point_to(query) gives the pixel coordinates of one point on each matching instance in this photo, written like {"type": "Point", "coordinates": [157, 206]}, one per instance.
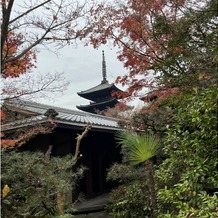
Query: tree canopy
{"type": "Point", "coordinates": [29, 24]}
{"type": "Point", "coordinates": [169, 47]}
{"type": "Point", "coordinates": [163, 44]}
{"type": "Point", "coordinates": [27, 27]}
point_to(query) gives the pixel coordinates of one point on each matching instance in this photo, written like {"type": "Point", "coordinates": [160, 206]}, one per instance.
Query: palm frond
{"type": "Point", "coordinates": [141, 147]}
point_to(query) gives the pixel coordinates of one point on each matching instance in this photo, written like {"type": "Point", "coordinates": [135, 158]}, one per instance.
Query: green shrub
{"type": "Point", "coordinates": [65, 216]}
{"type": "Point", "coordinates": [188, 178]}
{"type": "Point", "coordinates": [129, 200]}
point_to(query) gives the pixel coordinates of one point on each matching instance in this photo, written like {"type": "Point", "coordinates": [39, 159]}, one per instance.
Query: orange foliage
{"type": "Point", "coordinates": [8, 143]}
{"type": "Point", "coordinates": [118, 111]}
{"type": "Point", "coordinates": [14, 68]}
{"type": "Point", "coordinates": [24, 136]}
{"type": "Point", "coordinates": [2, 115]}
{"type": "Point", "coordinates": [148, 38]}
{"type": "Point", "coordinates": [157, 96]}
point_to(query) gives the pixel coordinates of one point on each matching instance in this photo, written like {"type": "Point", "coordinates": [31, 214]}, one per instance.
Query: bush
{"type": "Point", "coordinates": [129, 200]}
{"type": "Point", "coordinates": [188, 178]}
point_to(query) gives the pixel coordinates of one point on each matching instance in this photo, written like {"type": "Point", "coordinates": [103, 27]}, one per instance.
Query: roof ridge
{"type": "Point", "coordinates": [62, 110]}
{"type": "Point", "coordinates": [39, 105]}
{"type": "Point", "coordinates": [104, 85]}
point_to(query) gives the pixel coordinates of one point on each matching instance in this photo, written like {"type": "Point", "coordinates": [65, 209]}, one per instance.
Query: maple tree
{"type": "Point", "coordinates": [20, 137]}
{"type": "Point", "coordinates": [20, 66]}
{"type": "Point", "coordinates": [164, 44]}
{"type": "Point", "coordinates": [32, 23]}
{"type": "Point", "coordinates": [17, 78]}
{"type": "Point", "coordinates": [27, 27]}
{"type": "Point", "coordinates": [168, 47]}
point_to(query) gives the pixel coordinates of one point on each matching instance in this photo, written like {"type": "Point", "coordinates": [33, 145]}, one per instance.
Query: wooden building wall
{"type": "Point", "coordinates": [98, 150]}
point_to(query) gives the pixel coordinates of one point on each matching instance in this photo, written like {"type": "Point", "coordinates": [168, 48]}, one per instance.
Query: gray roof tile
{"type": "Point", "coordinates": [65, 116]}
{"type": "Point", "coordinates": [97, 88]}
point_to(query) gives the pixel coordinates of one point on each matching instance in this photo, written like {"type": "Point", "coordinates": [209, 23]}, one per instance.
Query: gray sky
{"type": "Point", "coordinates": [82, 66]}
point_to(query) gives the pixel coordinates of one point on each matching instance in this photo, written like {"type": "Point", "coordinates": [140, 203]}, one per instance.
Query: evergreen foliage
{"type": "Point", "coordinates": [188, 178]}
{"type": "Point", "coordinates": [130, 200]}
{"type": "Point", "coordinates": [138, 148]}
{"type": "Point", "coordinates": [34, 182]}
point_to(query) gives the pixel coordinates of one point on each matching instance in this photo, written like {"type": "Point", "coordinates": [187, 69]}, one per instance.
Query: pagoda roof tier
{"type": "Point", "coordinates": [95, 106]}
{"type": "Point", "coordinates": [98, 91]}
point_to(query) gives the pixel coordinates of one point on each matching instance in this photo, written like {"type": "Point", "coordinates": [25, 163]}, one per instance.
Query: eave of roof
{"type": "Point", "coordinates": [30, 121]}
{"type": "Point", "coordinates": [97, 104]}
{"type": "Point", "coordinates": [59, 122]}
{"type": "Point", "coordinates": [72, 118]}
{"type": "Point", "coordinates": [97, 90]}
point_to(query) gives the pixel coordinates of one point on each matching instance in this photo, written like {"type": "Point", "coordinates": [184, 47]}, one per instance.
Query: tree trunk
{"type": "Point", "coordinates": [60, 200]}
{"type": "Point", "coordinates": [151, 188]}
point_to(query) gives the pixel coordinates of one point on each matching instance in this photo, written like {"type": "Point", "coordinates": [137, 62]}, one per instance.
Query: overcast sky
{"type": "Point", "coordinates": [82, 66]}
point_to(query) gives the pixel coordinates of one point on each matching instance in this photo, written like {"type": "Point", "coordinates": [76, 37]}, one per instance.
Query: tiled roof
{"type": "Point", "coordinates": [65, 116]}
{"type": "Point", "coordinates": [93, 105]}
{"type": "Point", "coordinates": [97, 88]}
{"type": "Point", "coordinates": [24, 122]}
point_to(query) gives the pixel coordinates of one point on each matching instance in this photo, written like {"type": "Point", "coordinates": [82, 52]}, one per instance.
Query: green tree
{"type": "Point", "coordinates": [31, 183]}
{"type": "Point", "coordinates": [35, 184]}
{"type": "Point", "coordinates": [188, 178]}
{"type": "Point", "coordinates": [141, 148]}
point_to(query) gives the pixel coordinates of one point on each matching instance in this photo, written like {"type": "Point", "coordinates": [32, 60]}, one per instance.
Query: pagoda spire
{"type": "Point", "coordinates": [104, 74]}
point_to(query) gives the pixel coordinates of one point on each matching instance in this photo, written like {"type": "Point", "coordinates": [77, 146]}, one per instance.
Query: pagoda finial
{"type": "Point", "coordinates": [104, 74]}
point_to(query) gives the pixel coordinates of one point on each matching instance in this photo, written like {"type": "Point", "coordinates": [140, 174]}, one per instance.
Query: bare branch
{"type": "Point", "coordinates": [26, 50]}
{"type": "Point", "coordinates": [48, 153]}
{"type": "Point", "coordinates": [78, 142]}
{"type": "Point", "coordinates": [58, 23]}
{"type": "Point", "coordinates": [28, 11]}
{"type": "Point", "coordinates": [37, 86]}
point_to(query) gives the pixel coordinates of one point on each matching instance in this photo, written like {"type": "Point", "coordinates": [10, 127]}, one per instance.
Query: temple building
{"type": "Point", "coordinates": [22, 116]}
{"type": "Point", "coordinates": [101, 95]}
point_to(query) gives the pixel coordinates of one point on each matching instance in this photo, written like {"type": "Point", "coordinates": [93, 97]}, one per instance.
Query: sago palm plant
{"type": "Point", "coordinates": [140, 149]}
